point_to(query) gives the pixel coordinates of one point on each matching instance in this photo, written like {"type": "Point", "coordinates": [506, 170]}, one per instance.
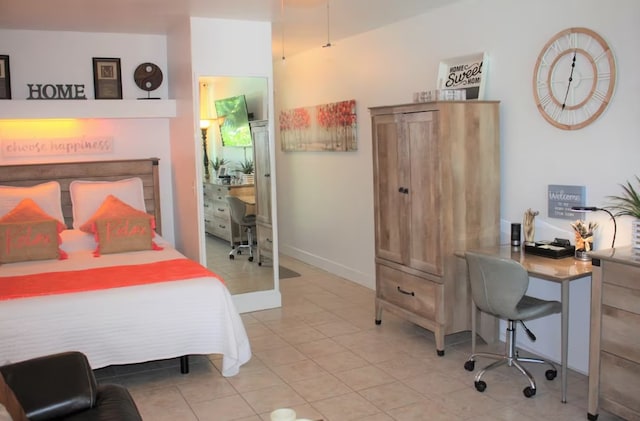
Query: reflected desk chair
{"type": "Point", "coordinates": [498, 287]}
{"type": "Point", "coordinates": [246, 222]}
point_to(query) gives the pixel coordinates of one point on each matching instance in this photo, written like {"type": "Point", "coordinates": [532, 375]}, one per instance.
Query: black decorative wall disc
{"type": "Point", "coordinates": [148, 77]}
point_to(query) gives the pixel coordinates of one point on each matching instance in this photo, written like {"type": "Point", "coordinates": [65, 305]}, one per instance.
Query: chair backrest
{"type": "Point", "coordinates": [238, 210]}
{"type": "Point", "coordinates": [497, 284]}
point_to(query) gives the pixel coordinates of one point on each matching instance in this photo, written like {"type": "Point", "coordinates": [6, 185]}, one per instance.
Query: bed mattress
{"type": "Point", "coordinates": [122, 325]}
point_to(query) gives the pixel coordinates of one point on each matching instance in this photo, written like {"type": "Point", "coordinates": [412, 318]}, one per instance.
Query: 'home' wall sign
{"type": "Point", "coordinates": [57, 91]}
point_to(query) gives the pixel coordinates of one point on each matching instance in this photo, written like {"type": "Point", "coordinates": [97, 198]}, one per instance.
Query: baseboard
{"type": "Point", "coordinates": [330, 266]}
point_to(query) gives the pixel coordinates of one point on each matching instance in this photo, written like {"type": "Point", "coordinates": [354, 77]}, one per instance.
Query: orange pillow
{"type": "Point", "coordinates": [28, 210]}
{"type": "Point", "coordinates": [119, 228]}
{"type": "Point", "coordinates": [118, 235]}
{"type": "Point", "coordinates": [29, 233]}
{"type": "Point", "coordinates": [112, 207]}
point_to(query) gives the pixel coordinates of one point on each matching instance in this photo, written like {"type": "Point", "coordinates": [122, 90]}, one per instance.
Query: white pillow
{"type": "Point", "coordinates": [76, 240]}
{"type": "Point", "coordinates": [46, 195]}
{"type": "Point", "coordinates": [87, 196]}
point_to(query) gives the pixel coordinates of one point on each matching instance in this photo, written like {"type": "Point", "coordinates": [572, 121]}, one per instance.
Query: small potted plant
{"type": "Point", "coordinates": [629, 204]}
{"type": "Point", "coordinates": [246, 168]}
{"type": "Point", "coordinates": [217, 163]}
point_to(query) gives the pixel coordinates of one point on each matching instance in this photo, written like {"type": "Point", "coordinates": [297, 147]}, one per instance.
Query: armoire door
{"type": "Point", "coordinates": [425, 214]}
{"type": "Point", "coordinates": [390, 200]}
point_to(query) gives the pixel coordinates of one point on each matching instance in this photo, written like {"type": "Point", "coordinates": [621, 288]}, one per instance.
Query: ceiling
{"type": "Point", "coordinates": [302, 24]}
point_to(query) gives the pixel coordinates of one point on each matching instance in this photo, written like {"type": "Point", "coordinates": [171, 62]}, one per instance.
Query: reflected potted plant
{"type": "Point", "coordinates": [628, 203]}
{"type": "Point", "coordinates": [217, 163]}
{"type": "Point", "coordinates": [246, 168]}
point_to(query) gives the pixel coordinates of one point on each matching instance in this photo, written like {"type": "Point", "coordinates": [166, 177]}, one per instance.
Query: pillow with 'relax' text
{"type": "Point", "coordinates": [120, 228]}
{"type": "Point", "coordinates": [28, 233]}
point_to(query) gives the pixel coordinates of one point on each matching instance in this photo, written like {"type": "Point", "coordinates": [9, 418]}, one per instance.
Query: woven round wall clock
{"type": "Point", "coordinates": [574, 78]}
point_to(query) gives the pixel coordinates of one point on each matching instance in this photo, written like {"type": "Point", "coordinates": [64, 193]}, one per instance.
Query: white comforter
{"type": "Point", "coordinates": [122, 325]}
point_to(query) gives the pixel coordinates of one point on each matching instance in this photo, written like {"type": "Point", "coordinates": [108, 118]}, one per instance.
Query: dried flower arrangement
{"type": "Point", "coordinates": [584, 234]}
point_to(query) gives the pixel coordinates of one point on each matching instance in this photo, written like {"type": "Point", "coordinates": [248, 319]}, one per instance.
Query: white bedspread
{"type": "Point", "coordinates": [123, 325]}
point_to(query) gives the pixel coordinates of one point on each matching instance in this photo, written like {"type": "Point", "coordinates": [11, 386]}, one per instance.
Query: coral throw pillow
{"type": "Point", "coordinates": [28, 233]}
{"type": "Point", "coordinates": [119, 228]}
{"type": "Point", "coordinates": [118, 235]}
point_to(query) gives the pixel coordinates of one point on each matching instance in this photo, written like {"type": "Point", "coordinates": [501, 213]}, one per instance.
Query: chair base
{"type": "Point", "coordinates": [238, 249]}
{"type": "Point", "coordinates": [511, 358]}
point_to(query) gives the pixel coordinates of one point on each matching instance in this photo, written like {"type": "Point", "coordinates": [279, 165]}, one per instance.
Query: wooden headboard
{"type": "Point", "coordinates": [65, 172]}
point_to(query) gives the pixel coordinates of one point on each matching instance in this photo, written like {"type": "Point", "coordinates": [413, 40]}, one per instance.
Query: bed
{"type": "Point", "coordinates": [131, 320]}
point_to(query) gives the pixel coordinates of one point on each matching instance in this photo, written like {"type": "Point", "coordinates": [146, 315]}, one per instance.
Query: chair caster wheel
{"type": "Point", "coordinates": [231, 256]}
{"type": "Point", "coordinates": [259, 263]}
{"type": "Point", "coordinates": [251, 258]}
{"type": "Point", "coordinates": [551, 374]}
{"type": "Point", "coordinates": [470, 365]}
{"type": "Point", "coordinates": [440, 352]}
{"type": "Point", "coordinates": [239, 251]}
{"type": "Point", "coordinates": [378, 322]}
{"type": "Point", "coordinates": [480, 386]}
{"type": "Point", "coordinates": [529, 392]}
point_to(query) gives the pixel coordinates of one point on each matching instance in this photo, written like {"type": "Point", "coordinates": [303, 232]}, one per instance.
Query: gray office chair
{"type": "Point", "coordinates": [498, 287]}
{"type": "Point", "coordinates": [247, 223]}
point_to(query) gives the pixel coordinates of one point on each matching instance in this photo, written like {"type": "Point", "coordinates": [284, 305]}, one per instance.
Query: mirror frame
{"type": "Point", "coordinates": [258, 300]}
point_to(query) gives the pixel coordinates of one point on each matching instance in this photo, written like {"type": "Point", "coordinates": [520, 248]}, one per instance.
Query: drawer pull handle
{"type": "Point", "coordinates": [269, 240]}
{"type": "Point", "coordinates": [221, 209]}
{"type": "Point", "coordinates": [222, 226]}
{"type": "Point", "coordinates": [406, 292]}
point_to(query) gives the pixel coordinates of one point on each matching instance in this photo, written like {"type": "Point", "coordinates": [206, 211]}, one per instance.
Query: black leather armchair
{"type": "Point", "coordinates": [63, 387]}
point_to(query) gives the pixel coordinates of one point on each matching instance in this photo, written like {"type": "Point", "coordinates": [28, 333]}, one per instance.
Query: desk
{"type": "Point", "coordinates": [562, 271]}
{"type": "Point", "coordinates": [248, 199]}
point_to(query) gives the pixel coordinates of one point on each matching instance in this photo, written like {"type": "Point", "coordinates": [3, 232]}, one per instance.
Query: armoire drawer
{"type": "Point", "coordinates": [412, 293]}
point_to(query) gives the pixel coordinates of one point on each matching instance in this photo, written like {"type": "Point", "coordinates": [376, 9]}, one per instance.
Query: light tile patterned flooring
{"type": "Point", "coordinates": [322, 355]}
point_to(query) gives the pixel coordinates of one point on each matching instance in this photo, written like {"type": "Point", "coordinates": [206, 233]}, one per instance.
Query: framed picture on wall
{"type": "Point", "coordinates": [107, 79]}
{"type": "Point", "coordinates": [466, 72]}
{"type": "Point", "coordinates": [5, 78]}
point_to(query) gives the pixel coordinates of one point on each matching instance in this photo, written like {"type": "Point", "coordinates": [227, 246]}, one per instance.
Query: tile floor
{"type": "Point", "coordinates": [239, 274]}
{"type": "Point", "coordinates": [322, 355]}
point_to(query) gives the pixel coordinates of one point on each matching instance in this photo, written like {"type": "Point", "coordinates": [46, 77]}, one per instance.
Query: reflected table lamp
{"type": "Point", "coordinates": [586, 209]}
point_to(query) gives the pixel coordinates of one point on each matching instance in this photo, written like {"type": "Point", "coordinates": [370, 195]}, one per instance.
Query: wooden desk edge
{"type": "Point", "coordinates": [582, 268]}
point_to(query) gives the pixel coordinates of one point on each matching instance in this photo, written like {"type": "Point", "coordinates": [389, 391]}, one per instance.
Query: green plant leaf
{"type": "Point", "coordinates": [629, 202]}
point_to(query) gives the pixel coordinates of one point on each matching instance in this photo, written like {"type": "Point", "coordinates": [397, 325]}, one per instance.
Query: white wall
{"type": "Point", "coordinates": [238, 49]}
{"type": "Point", "coordinates": [66, 57]}
{"type": "Point", "coordinates": [326, 199]}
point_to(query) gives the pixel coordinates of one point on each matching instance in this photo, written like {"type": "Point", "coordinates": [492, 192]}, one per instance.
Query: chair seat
{"type": "Point", "coordinates": [248, 220]}
{"type": "Point", "coordinates": [531, 308]}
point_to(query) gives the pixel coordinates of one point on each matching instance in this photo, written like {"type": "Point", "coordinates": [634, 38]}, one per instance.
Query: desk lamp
{"type": "Point", "coordinates": [586, 209]}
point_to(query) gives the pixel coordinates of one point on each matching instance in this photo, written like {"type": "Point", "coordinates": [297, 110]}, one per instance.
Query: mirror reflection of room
{"type": "Point", "coordinates": [236, 181]}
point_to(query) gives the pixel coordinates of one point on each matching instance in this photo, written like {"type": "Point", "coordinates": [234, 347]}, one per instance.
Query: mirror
{"type": "Point", "coordinates": [229, 95]}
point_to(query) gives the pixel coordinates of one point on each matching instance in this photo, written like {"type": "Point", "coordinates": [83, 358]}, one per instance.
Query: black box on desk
{"type": "Point", "coordinates": [550, 250]}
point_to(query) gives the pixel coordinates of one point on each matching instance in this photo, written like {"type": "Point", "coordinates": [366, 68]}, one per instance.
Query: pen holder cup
{"type": "Point", "coordinates": [583, 253]}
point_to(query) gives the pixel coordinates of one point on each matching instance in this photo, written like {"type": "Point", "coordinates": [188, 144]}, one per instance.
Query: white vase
{"type": "Point", "coordinates": [247, 178]}
{"type": "Point", "coordinates": [635, 233]}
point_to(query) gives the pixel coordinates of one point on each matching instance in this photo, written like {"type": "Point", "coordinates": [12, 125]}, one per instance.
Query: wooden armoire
{"type": "Point", "coordinates": [436, 180]}
{"type": "Point", "coordinates": [264, 230]}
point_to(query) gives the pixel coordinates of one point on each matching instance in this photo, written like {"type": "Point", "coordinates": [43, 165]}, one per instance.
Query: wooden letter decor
{"type": "Point", "coordinates": [57, 91]}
